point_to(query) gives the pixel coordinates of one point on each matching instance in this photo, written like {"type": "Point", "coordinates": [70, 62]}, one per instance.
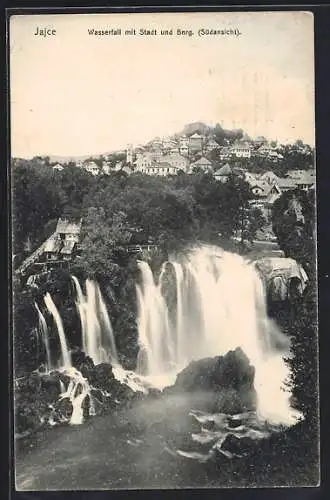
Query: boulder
{"type": "Point", "coordinates": [101, 377]}
{"type": "Point", "coordinates": [84, 364]}
{"type": "Point", "coordinates": [51, 386]}
{"type": "Point", "coordinates": [231, 371]}
{"type": "Point", "coordinates": [63, 410]}
{"type": "Point", "coordinates": [34, 381]}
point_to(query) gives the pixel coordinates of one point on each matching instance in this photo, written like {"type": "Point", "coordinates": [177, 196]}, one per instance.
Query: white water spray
{"type": "Point", "coordinates": [65, 355]}
{"type": "Point", "coordinates": [220, 305]}
{"type": "Point", "coordinates": [76, 392]}
{"type": "Point", "coordinates": [97, 335]}
{"type": "Point", "coordinates": [44, 334]}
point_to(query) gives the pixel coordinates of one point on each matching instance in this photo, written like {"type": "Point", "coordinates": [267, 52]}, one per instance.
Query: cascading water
{"type": "Point", "coordinates": [44, 335]}
{"type": "Point", "coordinates": [65, 355]}
{"type": "Point", "coordinates": [156, 355]}
{"type": "Point", "coordinates": [97, 335]}
{"type": "Point", "coordinates": [220, 305]}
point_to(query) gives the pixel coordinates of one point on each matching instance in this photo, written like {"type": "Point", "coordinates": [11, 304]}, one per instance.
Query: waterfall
{"type": "Point", "coordinates": [155, 333]}
{"type": "Point", "coordinates": [108, 339]}
{"type": "Point", "coordinates": [220, 305]}
{"type": "Point", "coordinates": [81, 307]}
{"type": "Point", "coordinates": [76, 392]}
{"type": "Point", "coordinates": [44, 335]}
{"type": "Point", "coordinates": [97, 335]}
{"type": "Point", "coordinates": [65, 355]}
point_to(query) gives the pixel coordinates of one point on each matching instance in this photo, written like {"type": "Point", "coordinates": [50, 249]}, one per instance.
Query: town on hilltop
{"type": "Point", "coordinates": [268, 167]}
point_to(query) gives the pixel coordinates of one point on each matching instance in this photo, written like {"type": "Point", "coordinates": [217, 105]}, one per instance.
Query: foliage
{"type": "Point", "coordinates": [294, 225]}
{"type": "Point", "coordinates": [293, 220]}
{"type": "Point", "coordinates": [304, 377]}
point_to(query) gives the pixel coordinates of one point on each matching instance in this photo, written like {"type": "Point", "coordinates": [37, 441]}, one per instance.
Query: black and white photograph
{"type": "Point", "coordinates": [164, 271]}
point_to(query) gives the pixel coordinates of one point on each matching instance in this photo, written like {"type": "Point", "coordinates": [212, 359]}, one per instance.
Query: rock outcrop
{"type": "Point", "coordinates": [230, 377]}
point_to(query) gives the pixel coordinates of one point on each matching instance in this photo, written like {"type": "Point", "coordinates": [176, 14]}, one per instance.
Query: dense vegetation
{"type": "Point", "coordinates": [117, 210]}
{"type": "Point", "coordinates": [170, 210]}
{"type": "Point", "coordinates": [294, 224]}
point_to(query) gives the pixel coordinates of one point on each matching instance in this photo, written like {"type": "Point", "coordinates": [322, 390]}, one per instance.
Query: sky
{"type": "Point", "coordinates": [75, 94]}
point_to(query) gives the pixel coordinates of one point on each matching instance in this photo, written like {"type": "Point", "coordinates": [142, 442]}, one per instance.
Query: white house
{"type": "Point", "coordinates": [58, 167]}
{"type": "Point", "coordinates": [184, 145]}
{"type": "Point", "coordinates": [241, 150]}
{"type": "Point", "coordinates": [92, 168]}
{"type": "Point", "coordinates": [177, 161]}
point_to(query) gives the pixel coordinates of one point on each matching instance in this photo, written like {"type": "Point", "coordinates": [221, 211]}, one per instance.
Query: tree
{"type": "Point", "coordinates": [294, 225]}
{"type": "Point", "coordinates": [101, 239]}
{"type": "Point", "coordinates": [293, 221]}
{"type": "Point", "coordinates": [37, 198]}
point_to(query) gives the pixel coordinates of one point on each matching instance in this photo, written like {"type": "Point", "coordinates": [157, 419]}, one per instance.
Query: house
{"type": "Point", "coordinates": [92, 168]}
{"type": "Point", "coordinates": [168, 143]}
{"type": "Point", "coordinates": [184, 150]}
{"type": "Point", "coordinates": [259, 141]}
{"type": "Point", "coordinates": [223, 173]}
{"type": "Point", "coordinates": [304, 179]}
{"type": "Point", "coordinates": [162, 168]}
{"type": "Point", "coordinates": [269, 177]}
{"type": "Point", "coordinates": [156, 153]}
{"type": "Point", "coordinates": [144, 161]}
{"type": "Point", "coordinates": [106, 168]}
{"type": "Point", "coordinates": [241, 150]}
{"type": "Point", "coordinates": [259, 188]}
{"type": "Point", "coordinates": [128, 169]}
{"type": "Point", "coordinates": [195, 143]}
{"type": "Point", "coordinates": [118, 166]}
{"type": "Point", "coordinates": [177, 161]}
{"type": "Point", "coordinates": [225, 153]}
{"type": "Point", "coordinates": [250, 177]}
{"type": "Point", "coordinates": [61, 245]}
{"type": "Point", "coordinates": [52, 248]}
{"type": "Point", "coordinates": [272, 194]}
{"type": "Point", "coordinates": [184, 145]}
{"type": "Point", "coordinates": [264, 196]}
{"type": "Point", "coordinates": [203, 163]}
{"type": "Point", "coordinates": [68, 230]}
{"type": "Point", "coordinates": [286, 184]}
{"type": "Point", "coordinates": [58, 167]}
{"type": "Point", "coordinates": [210, 145]}
{"type": "Point", "coordinates": [295, 174]}
{"type": "Point", "coordinates": [150, 169]}
{"type": "Point", "coordinates": [268, 151]}
{"type": "Point", "coordinates": [265, 149]}
{"type": "Point", "coordinates": [306, 182]}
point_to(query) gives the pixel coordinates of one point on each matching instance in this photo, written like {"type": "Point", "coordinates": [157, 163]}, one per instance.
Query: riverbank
{"type": "Point", "coordinates": [136, 449]}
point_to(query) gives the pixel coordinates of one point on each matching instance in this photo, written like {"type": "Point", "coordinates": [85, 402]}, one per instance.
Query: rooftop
{"type": "Point", "coordinates": [202, 161]}
{"type": "Point", "coordinates": [66, 226]}
{"type": "Point", "coordinates": [225, 170]}
{"type": "Point", "coordinates": [196, 136]}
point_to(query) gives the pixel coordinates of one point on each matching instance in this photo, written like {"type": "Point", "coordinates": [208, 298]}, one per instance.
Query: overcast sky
{"type": "Point", "coordinates": [76, 94]}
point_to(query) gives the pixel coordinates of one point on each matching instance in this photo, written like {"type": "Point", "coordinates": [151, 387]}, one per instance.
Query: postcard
{"type": "Point", "coordinates": [165, 330]}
